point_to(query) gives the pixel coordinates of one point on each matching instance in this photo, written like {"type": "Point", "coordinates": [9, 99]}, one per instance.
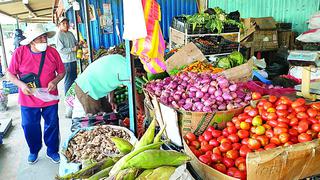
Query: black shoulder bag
{"type": "Point", "coordinates": [32, 79]}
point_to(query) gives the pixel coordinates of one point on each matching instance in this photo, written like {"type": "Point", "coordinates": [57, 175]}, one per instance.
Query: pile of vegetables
{"type": "Point", "coordinates": [232, 60]}
{"type": "Point", "coordinates": [121, 94]}
{"type": "Point", "coordinates": [144, 160]}
{"type": "Point", "coordinates": [213, 21]}
{"type": "Point", "coordinates": [199, 92]}
{"type": "Point", "coordinates": [94, 144]}
{"type": "Point", "coordinates": [201, 66]}
{"type": "Point", "coordinates": [273, 122]}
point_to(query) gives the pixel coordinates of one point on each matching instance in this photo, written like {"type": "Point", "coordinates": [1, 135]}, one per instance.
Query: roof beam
{"type": "Point", "coordinates": [37, 10]}
{"type": "Point", "coordinates": [6, 14]}
{"type": "Point", "coordinates": [30, 10]}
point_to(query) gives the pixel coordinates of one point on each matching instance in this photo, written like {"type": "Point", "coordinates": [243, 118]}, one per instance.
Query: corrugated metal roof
{"type": "Point", "coordinates": [295, 11]}
{"type": "Point", "coordinates": [169, 9]}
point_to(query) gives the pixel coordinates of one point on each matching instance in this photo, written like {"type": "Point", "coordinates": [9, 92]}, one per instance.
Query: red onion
{"type": "Point", "coordinates": [222, 82]}
{"type": "Point", "coordinates": [207, 103]}
{"type": "Point", "coordinates": [184, 95]}
{"type": "Point", "coordinates": [233, 87]}
{"type": "Point", "coordinates": [199, 94]}
{"type": "Point", "coordinates": [188, 100]}
{"type": "Point", "coordinates": [176, 97]}
{"type": "Point", "coordinates": [205, 88]}
{"type": "Point", "coordinates": [219, 98]}
{"type": "Point", "coordinates": [205, 97]}
{"type": "Point", "coordinates": [187, 106]}
{"type": "Point", "coordinates": [206, 109]}
{"type": "Point", "coordinates": [222, 107]}
{"type": "Point", "coordinates": [233, 95]}
{"type": "Point", "coordinates": [181, 102]}
{"type": "Point", "coordinates": [175, 105]}
{"type": "Point", "coordinates": [230, 106]}
{"type": "Point", "coordinates": [211, 90]}
{"type": "Point", "coordinates": [218, 93]}
{"type": "Point", "coordinates": [192, 94]}
{"type": "Point", "coordinates": [213, 83]}
{"type": "Point", "coordinates": [193, 89]}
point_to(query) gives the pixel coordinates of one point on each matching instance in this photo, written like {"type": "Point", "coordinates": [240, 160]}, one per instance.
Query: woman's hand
{"type": "Point", "coordinates": [26, 90]}
{"type": "Point", "coordinates": [52, 85]}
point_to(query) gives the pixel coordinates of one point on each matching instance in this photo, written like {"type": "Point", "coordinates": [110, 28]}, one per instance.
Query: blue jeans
{"type": "Point", "coordinates": [71, 75]}
{"type": "Point", "coordinates": [32, 129]}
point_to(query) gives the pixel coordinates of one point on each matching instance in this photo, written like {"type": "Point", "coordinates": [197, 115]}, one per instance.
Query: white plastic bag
{"type": "Point", "coordinates": [44, 95]}
{"type": "Point", "coordinates": [314, 22]}
{"type": "Point", "coordinates": [310, 36]}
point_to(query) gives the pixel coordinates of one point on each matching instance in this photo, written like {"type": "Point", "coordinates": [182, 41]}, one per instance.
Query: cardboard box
{"type": "Point", "coordinates": [285, 39]}
{"type": "Point", "coordinates": [292, 162]}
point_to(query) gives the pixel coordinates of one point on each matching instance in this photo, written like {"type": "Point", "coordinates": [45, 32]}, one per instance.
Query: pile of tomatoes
{"type": "Point", "coordinates": [273, 122]}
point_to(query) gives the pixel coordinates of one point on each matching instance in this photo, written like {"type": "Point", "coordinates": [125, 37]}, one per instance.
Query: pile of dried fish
{"type": "Point", "coordinates": [94, 144]}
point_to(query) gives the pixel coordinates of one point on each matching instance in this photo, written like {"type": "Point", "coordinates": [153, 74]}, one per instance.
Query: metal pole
{"type": "Point", "coordinates": [79, 64]}
{"type": "Point", "coordinates": [4, 62]}
{"type": "Point", "coordinates": [131, 89]}
{"type": "Point", "coordinates": [87, 24]}
{"type": "Point", "coordinates": [17, 22]}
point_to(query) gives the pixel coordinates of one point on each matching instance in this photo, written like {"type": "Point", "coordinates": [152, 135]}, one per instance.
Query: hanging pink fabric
{"type": "Point", "coordinates": [151, 48]}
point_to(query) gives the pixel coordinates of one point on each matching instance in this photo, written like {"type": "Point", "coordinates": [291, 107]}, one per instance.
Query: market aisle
{"type": "Point", "coordinates": [14, 151]}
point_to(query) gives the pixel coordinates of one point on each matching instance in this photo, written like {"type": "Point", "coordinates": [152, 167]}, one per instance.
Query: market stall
{"type": "Point", "coordinates": [222, 112]}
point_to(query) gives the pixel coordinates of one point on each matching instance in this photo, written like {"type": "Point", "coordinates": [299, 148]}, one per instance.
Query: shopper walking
{"type": "Point", "coordinates": [97, 81]}
{"type": "Point", "coordinates": [26, 62]}
{"type": "Point", "coordinates": [67, 47]}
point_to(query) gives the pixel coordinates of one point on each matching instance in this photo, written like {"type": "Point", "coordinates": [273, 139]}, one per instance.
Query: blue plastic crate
{"type": "Point", "coordinates": [9, 85]}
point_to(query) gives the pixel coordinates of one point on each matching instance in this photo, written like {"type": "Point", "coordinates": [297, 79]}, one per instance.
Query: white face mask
{"type": "Point", "coordinates": [41, 46]}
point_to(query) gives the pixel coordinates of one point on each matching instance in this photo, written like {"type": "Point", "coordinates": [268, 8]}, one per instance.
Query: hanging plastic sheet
{"type": "Point", "coordinates": [151, 48]}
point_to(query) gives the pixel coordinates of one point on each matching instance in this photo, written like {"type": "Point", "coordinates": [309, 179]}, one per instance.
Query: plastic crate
{"type": "Point", "coordinates": [9, 85]}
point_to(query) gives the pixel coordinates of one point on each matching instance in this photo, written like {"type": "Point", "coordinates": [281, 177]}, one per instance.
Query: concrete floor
{"type": "Point", "coordinates": [14, 150]}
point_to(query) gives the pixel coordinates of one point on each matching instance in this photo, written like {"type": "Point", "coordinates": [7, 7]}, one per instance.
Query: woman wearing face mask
{"type": "Point", "coordinates": [25, 60]}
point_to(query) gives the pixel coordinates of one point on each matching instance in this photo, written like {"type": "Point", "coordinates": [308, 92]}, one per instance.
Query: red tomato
{"type": "Point", "coordinates": [284, 120]}
{"type": "Point", "coordinates": [207, 135]}
{"type": "Point", "coordinates": [243, 116]}
{"type": "Point", "coordinates": [315, 106]}
{"type": "Point", "coordinates": [201, 138]}
{"type": "Point", "coordinates": [206, 148]}
{"type": "Point", "coordinates": [245, 141]}
{"type": "Point", "coordinates": [254, 144]}
{"type": "Point", "coordinates": [243, 134]}
{"type": "Point", "coordinates": [205, 159]}
{"type": "Point", "coordinates": [197, 153]}
{"type": "Point", "coordinates": [247, 109]}
{"type": "Point", "coordinates": [196, 144]}
{"type": "Point", "coordinates": [228, 162]}
{"type": "Point", "coordinates": [249, 120]}
{"type": "Point", "coordinates": [263, 139]}
{"type": "Point", "coordinates": [225, 140]}
{"type": "Point", "coordinates": [230, 124]}
{"type": "Point", "coordinates": [216, 158]}
{"type": "Point", "coordinates": [220, 167]}
{"type": "Point", "coordinates": [272, 123]}
{"type": "Point", "coordinates": [298, 102]}
{"type": "Point", "coordinates": [303, 126]}
{"type": "Point", "coordinates": [264, 114]}
{"type": "Point", "coordinates": [239, 175]}
{"type": "Point", "coordinates": [216, 133]}
{"type": "Point", "coordinates": [239, 160]}
{"type": "Point", "coordinates": [244, 150]}
{"type": "Point", "coordinates": [237, 124]}
{"type": "Point", "coordinates": [232, 154]}
{"type": "Point", "coordinates": [242, 166]}
{"type": "Point", "coordinates": [269, 133]}
{"type": "Point", "coordinates": [261, 103]}
{"type": "Point", "coordinates": [253, 129]}
{"type": "Point", "coordinates": [283, 125]}
{"type": "Point", "coordinates": [278, 130]}
{"type": "Point", "coordinates": [302, 115]}
{"type": "Point", "coordinates": [234, 138]}
{"type": "Point", "coordinates": [203, 143]}
{"type": "Point", "coordinates": [294, 139]}
{"type": "Point", "coordinates": [220, 138]}
{"type": "Point", "coordinates": [313, 120]}
{"type": "Point", "coordinates": [293, 132]}
{"type": "Point", "coordinates": [245, 126]}
{"type": "Point", "coordinates": [312, 133]}
{"type": "Point", "coordinates": [272, 98]}
{"type": "Point", "coordinates": [267, 126]}
{"type": "Point", "coordinates": [294, 122]}
{"type": "Point", "coordinates": [235, 119]}
{"type": "Point", "coordinates": [211, 128]}
{"type": "Point", "coordinates": [231, 171]}
{"type": "Point", "coordinates": [292, 115]}
{"type": "Point", "coordinates": [316, 127]}
{"type": "Point", "coordinates": [284, 100]}
{"type": "Point", "coordinates": [284, 137]}
{"type": "Point", "coordinates": [214, 143]}
{"type": "Point", "coordinates": [312, 112]}
{"type": "Point", "coordinates": [190, 136]}
{"type": "Point", "coordinates": [282, 113]}
{"type": "Point", "coordinates": [224, 147]}
{"type": "Point", "coordinates": [236, 146]}
{"type": "Point", "coordinates": [208, 153]}
{"type": "Point", "coordinates": [216, 150]}
{"type": "Point", "coordinates": [267, 105]}
{"type": "Point", "coordinates": [272, 116]}
{"type": "Point", "coordinates": [225, 132]}
{"type": "Point", "coordinates": [300, 109]}
{"type": "Point", "coordinates": [253, 112]}
{"type": "Point", "coordinates": [270, 146]}
{"type": "Point", "coordinates": [275, 140]}
{"type": "Point", "coordinates": [269, 110]}
{"type": "Point", "coordinates": [289, 143]}
{"type": "Point", "coordinates": [231, 129]}
{"type": "Point", "coordinates": [304, 137]}
{"type": "Point", "coordinates": [281, 107]}
{"type": "Point", "coordinates": [256, 96]}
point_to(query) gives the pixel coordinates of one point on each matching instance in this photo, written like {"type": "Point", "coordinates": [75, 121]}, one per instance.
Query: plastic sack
{"type": "Point", "coordinates": [151, 48]}
{"type": "Point", "coordinates": [314, 21]}
{"type": "Point", "coordinates": [44, 95]}
{"type": "Point", "coordinates": [256, 86]}
{"type": "Point", "coordinates": [3, 100]}
{"type": "Point", "coordinates": [312, 35]}
{"type": "Point", "coordinates": [181, 173]}
{"type": "Point", "coordinates": [67, 168]}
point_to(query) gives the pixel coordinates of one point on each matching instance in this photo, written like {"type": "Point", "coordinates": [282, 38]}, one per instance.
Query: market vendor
{"type": "Point", "coordinates": [99, 80]}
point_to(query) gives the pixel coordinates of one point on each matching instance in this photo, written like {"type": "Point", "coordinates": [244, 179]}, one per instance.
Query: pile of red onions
{"type": "Point", "coordinates": [199, 92]}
